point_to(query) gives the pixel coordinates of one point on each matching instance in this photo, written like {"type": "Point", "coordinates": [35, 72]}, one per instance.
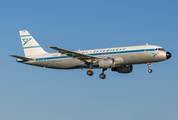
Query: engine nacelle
{"type": "Point", "coordinates": [105, 63]}
{"type": "Point", "coordinates": [123, 69]}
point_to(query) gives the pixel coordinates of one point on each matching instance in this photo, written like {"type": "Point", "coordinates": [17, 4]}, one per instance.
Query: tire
{"type": "Point", "coordinates": [102, 76]}
{"type": "Point", "coordinates": [90, 72]}
{"type": "Point", "coordinates": [150, 71]}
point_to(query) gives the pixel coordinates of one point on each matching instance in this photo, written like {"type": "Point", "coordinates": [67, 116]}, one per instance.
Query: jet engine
{"type": "Point", "coordinates": [105, 63]}
{"type": "Point", "coordinates": [123, 69]}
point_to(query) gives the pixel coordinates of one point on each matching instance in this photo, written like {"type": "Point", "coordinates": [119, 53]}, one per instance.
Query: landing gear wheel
{"type": "Point", "coordinates": [149, 66]}
{"type": "Point", "coordinates": [102, 76]}
{"type": "Point", "coordinates": [90, 72]}
{"type": "Point", "coordinates": [150, 70]}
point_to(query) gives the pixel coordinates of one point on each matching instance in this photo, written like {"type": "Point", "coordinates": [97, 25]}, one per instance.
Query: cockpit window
{"type": "Point", "coordinates": [160, 49]}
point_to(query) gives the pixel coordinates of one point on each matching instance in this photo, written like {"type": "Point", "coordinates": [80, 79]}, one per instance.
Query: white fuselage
{"type": "Point", "coordinates": [129, 55]}
{"type": "Point", "coordinates": [119, 59]}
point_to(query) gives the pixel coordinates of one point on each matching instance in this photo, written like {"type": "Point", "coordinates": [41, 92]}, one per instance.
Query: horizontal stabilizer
{"type": "Point", "coordinates": [23, 58]}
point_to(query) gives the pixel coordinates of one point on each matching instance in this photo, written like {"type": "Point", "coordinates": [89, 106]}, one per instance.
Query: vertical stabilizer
{"type": "Point", "coordinates": [30, 46]}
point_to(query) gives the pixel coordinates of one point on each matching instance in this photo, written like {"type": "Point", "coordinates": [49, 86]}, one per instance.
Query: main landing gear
{"type": "Point", "coordinates": [90, 72]}
{"type": "Point", "coordinates": [102, 75]}
{"type": "Point", "coordinates": [149, 65]}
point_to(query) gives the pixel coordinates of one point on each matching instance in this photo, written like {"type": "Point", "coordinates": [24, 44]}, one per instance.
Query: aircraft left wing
{"type": "Point", "coordinates": [23, 58]}
{"type": "Point", "coordinates": [73, 54]}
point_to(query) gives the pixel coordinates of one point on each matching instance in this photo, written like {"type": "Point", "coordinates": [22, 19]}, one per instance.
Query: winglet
{"type": "Point", "coordinates": [48, 46]}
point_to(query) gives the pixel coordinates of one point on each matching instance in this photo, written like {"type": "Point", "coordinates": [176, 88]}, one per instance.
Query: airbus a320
{"type": "Point", "coordinates": [118, 59]}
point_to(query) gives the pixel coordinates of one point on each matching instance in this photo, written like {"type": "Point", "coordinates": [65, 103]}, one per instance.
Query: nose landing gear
{"type": "Point", "coordinates": [150, 70]}
{"type": "Point", "coordinates": [149, 65]}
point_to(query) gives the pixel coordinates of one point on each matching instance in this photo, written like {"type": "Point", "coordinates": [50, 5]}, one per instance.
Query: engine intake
{"type": "Point", "coordinates": [123, 69]}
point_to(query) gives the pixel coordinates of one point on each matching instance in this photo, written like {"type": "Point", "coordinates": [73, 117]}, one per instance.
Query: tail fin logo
{"type": "Point", "coordinates": [26, 40]}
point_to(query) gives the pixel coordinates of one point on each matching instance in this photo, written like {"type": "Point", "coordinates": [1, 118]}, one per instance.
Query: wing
{"type": "Point", "coordinates": [74, 54]}
{"type": "Point", "coordinates": [23, 58]}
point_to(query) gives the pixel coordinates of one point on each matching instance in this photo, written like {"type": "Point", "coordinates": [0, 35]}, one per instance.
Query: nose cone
{"type": "Point", "coordinates": [168, 55]}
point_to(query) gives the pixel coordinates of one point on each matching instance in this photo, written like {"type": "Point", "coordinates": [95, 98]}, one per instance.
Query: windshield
{"type": "Point", "coordinates": [160, 49]}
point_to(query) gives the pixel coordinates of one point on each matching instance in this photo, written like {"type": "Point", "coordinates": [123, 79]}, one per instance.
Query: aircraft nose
{"type": "Point", "coordinates": [168, 55]}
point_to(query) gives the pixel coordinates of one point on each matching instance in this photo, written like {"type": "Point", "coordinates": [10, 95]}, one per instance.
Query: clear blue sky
{"type": "Point", "coordinates": [34, 93]}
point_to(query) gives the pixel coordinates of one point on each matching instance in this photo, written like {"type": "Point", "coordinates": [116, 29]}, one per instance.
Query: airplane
{"type": "Point", "coordinates": [118, 59]}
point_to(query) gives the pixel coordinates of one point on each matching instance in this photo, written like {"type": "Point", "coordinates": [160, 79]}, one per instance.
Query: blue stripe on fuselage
{"type": "Point", "coordinates": [97, 54]}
